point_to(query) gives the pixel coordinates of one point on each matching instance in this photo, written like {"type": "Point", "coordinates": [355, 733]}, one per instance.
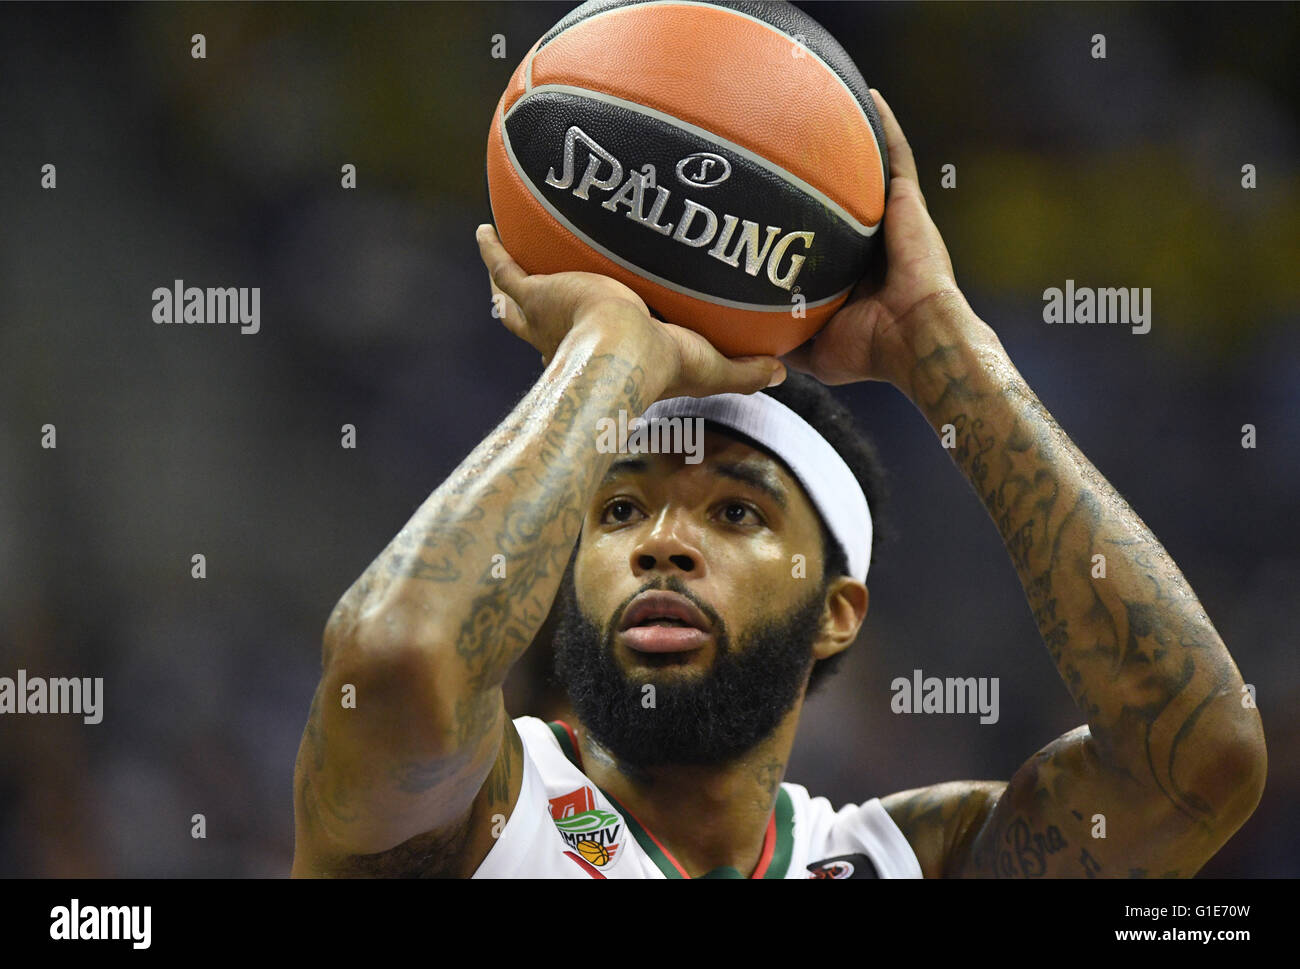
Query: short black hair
{"type": "Point", "coordinates": [812, 401]}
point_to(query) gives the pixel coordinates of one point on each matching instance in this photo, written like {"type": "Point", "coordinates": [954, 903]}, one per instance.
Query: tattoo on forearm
{"type": "Point", "coordinates": [1136, 651]}
{"type": "Point", "coordinates": [434, 556]}
{"type": "Point", "coordinates": [520, 494]}
{"type": "Point", "coordinates": [539, 527]}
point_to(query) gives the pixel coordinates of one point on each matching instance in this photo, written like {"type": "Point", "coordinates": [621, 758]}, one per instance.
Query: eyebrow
{"type": "Point", "coordinates": [758, 478]}
{"type": "Point", "coordinates": [625, 466]}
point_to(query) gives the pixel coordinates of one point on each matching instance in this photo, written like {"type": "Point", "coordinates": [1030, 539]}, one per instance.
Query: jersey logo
{"type": "Point", "coordinates": [843, 866]}
{"type": "Point", "coordinates": [592, 832]}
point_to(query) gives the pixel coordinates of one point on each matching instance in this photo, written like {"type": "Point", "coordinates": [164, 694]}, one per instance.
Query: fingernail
{"type": "Point", "coordinates": [778, 376]}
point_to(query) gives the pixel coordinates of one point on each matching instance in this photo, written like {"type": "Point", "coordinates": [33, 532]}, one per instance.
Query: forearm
{"type": "Point", "coordinates": [472, 575]}
{"type": "Point", "coordinates": [1161, 694]}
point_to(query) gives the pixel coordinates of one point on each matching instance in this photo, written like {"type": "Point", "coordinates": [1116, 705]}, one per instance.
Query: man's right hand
{"type": "Point", "coordinates": [544, 309]}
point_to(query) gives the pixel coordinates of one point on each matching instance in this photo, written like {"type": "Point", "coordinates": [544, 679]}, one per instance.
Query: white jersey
{"type": "Point", "coordinates": [564, 826]}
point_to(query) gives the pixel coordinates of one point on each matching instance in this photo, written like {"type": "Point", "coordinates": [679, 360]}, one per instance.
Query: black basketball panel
{"type": "Point", "coordinates": [676, 203]}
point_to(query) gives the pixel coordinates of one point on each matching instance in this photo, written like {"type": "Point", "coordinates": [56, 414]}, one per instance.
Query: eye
{"type": "Point", "coordinates": [740, 513]}
{"type": "Point", "coordinates": [620, 511]}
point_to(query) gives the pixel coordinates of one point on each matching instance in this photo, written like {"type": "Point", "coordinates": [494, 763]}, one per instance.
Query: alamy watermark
{"type": "Point", "coordinates": [99, 923]}
{"type": "Point", "coordinates": [654, 435]}
{"type": "Point", "coordinates": [59, 694]}
{"type": "Point", "coordinates": [216, 304]}
{"type": "Point", "coordinates": [1084, 304]}
{"type": "Point", "coordinates": [953, 694]}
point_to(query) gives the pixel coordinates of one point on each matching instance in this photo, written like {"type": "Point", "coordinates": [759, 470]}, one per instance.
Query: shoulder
{"type": "Point", "coordinates": [940, 822]}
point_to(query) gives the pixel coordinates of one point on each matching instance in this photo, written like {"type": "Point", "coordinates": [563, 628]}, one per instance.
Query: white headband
{"type": "Point", "coordinates": [830, 484]}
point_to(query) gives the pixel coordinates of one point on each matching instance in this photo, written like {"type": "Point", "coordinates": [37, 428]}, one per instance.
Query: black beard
{"type": "Point", "coordinates": [710, 720]}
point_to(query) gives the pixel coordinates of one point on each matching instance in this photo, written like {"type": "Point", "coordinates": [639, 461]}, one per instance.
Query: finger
{"type": "Point", "coordinates": [747, 375]}
{"type": "Point", "coordinates": [901, 162]}
{"type": "Point", "coordinates": [504, 271]}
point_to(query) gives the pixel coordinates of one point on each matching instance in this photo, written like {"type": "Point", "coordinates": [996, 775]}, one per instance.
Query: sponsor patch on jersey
{"type": "Point", "coordinates": [593, 833]}
{"type": "Point", "coordinates": [843, 866]}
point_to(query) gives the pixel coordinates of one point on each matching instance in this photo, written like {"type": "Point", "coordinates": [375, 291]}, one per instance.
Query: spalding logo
{"type": "Point", "coordinates": [703, 169]}
{"type": "Point", "coordinates": [768, 254]}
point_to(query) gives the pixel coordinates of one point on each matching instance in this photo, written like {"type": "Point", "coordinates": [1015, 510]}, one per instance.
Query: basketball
{"type": "Point", "coordinates": [725, 161]}
{"type": "Point", "coordinates": [593, 852]}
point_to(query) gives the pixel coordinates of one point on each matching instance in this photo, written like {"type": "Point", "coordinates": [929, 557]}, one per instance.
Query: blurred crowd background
{"type": "Point", "coordinates": [375, 311]}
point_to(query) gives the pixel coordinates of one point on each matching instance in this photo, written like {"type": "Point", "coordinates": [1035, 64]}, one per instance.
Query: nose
{"type": "Point", "coordinates": [670, 546]}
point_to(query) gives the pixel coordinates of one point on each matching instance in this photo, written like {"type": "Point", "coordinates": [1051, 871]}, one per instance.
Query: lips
{"type": "Point", "coordinates": [664, 622]}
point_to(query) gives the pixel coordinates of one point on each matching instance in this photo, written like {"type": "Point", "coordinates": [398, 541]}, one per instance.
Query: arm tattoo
{"type": "Point", "coordinates": [1135, 649]}
{"type": "Point", "coordinates": [516, 504]}
{"type": "Point", "coordinates": [539, 526]}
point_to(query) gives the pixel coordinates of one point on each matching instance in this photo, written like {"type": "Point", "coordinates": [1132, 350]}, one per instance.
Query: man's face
{"type": "Point", "coordinates": [685, 582]}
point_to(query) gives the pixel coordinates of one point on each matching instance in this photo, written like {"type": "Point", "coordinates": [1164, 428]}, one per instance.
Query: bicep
{"type": "Point", "coordinates": [1067, 813]}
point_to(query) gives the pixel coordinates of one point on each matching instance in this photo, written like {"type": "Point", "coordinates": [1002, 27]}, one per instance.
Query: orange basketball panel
{"type": "Point", "coordinates": [744, 83]}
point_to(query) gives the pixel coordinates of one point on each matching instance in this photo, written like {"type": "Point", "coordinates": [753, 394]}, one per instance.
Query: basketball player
{"type": "Point", "coordinates": [687, 643]}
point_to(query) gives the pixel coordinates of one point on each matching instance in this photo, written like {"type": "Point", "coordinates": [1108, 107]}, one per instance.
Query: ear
{"type": "Point", "coordinates": [846, 608]}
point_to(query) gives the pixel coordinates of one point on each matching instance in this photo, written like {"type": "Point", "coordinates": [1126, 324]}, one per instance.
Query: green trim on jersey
{"type": "Point", "coordinates": [777, 866]}
{"type": "Point", "coordinates": [566, 744]}
{"type": "Point", "coordinates": [646, 840]}
{"type": "Point", "coordinates": [784, 850]}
